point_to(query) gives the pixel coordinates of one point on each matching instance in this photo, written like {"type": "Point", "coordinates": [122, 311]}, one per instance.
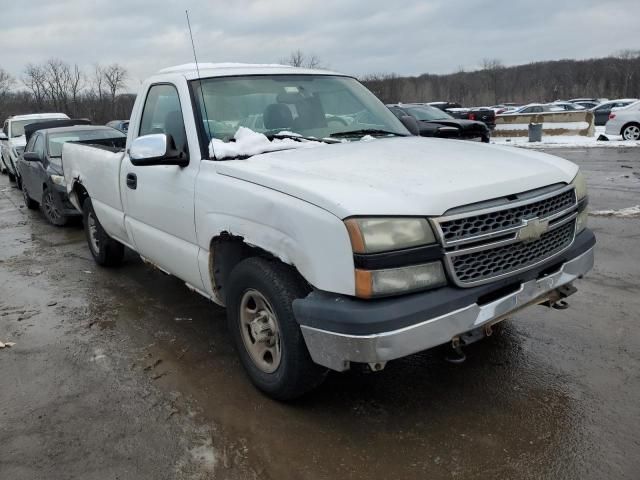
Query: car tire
{"type": "Point", "coordinates": [486, 139]}
{"type": "Point", "coordinates": [12, 177]}
{"type": "Point", "coordinates": [28, 201]}
{"type": "Point", "coordinates": [631, 131]}
{"type": "Point", "coordinates": [51, 209]}
{"type": "Point", "coordinates": [106, 251]}
{"type": "Point", "coordinates": [266, 334]}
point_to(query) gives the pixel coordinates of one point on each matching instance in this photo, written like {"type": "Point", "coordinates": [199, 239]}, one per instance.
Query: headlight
{"type": "Point", "coordinates": [580, 185]}
{"type": "Point", "coordinates": [58, 180]}
{"type": "Point", "coordinates": [581, 220]}
{"type": "Point", "coordinates": [375, 283]}
{"type": "Point", "coordinates": [374, 235]}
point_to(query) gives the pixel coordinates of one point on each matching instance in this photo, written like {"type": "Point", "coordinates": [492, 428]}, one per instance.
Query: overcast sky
{"type": "Point", "coordinates": [408, 37]}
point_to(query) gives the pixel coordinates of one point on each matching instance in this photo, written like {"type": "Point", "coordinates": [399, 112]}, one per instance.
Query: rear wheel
{"type": "Point", "coordinates": [28, 201]}
{"type": "Point", "coordinates": [265, 332]}
{"type": "Point", "coordinates": [105, 250]}
{"type": "Point", "coordinates": [52, 209]}
{"type": "Point", "coordinates": [631, 131]}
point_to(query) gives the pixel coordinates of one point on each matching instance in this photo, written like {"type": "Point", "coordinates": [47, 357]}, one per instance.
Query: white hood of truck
{"type": "Point", "coordinates": [400, 176]}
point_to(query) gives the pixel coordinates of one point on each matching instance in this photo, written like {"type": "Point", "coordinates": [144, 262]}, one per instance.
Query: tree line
{"type": "Point", "coordinates": [611, 77]}
{"type": "Point", "coordinates": [57, 86]}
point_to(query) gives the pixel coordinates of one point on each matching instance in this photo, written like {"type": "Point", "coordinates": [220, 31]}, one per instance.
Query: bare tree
{"type": "Point", "coordinates": [298, 59]}
{"type": "Point", "coordinates": [34, 79]}
{"type": "Point", "coordinates": [6, 82]}
{"type": "Point", "coordinates": [115, 77]}
{"type": "Point", "coordinates": [493, 67]}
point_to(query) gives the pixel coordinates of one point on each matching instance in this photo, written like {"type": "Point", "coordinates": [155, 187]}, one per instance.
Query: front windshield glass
{"type": "Point", "coordinates": [17, 127]}
{"type": "Point", "coordinates": [426, 113]}
{"type": "Point", "coordinates": [56, 140]}
{"type": "Point", "coordinates": [318, 106]}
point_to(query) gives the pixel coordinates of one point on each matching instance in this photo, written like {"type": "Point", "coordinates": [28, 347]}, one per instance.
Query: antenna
{"type": "Point", "coordinates": [204, 104]}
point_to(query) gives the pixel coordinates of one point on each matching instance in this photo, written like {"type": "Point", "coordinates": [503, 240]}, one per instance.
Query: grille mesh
{"type": "Point", "coordinates": [511, 217]}
{"type": "Point", "coordinates": [478, 266]}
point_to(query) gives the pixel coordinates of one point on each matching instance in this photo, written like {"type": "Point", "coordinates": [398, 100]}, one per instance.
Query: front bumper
{"type": "Point", "coordinates": [62, 199]}
{"type": "Point", "coordinates": [346, 342]}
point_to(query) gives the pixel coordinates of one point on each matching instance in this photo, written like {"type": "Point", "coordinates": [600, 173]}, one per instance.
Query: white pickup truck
{"type": "Point", "coordinates": [333, 236]}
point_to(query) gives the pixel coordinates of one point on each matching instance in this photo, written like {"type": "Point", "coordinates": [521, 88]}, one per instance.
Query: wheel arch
{"type": "Point", "coordinates": [628, 124]}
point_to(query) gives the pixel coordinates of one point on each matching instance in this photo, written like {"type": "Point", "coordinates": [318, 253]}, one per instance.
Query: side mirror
{"type": "Point", "coordinates": [32, 157]}
{"type": "Point", "coordinates": [3, 136]}
{"type": "Point", "coordinates": [156, 149]}
{"type": "Point", "coordinates": [411, 124]}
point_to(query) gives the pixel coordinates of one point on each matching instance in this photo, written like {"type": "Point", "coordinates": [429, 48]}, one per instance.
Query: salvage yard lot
{"type": "Point", "coordinates": [127, 374]}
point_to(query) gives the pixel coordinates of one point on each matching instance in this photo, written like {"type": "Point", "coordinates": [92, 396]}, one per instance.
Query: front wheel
{"type": "Point", "coordinates": [52, 209]}
{"type": "Point", "coordinates": [265, 332]}
{"type": "Point", "coordinates": [631, 132]}
{"type": "Point", "coordinates": [105, 250]}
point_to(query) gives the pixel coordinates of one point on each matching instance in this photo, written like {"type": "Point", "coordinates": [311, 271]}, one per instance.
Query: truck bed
{"type": "Point", "coordinates": [95, 164]}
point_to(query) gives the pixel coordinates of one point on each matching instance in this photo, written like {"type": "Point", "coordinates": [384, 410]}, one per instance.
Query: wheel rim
{"type": "Point", "coordinates": [260, 331]}
{"type": "Point", "coordinates": [50, 208]}
{"type": "Point", "coordinates": [632, 133]}
{"type": "Point", "coordinates": [92, 225]}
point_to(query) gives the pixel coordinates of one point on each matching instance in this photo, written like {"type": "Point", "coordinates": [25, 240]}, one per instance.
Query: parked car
{"type": "Point", "coordinates": [433, 122]}
{"type": "Point", "coordinates": [122, 125]}
{"type": "Point", "coordinates": [41, 168]}
{"type": "Point", "coordinates": [625, 121]}
{"type": "Point", "coordinates": [602, 111]}
{"type": "Point", "coordinates": [535, 108]}
{"type": "Point", "coordinates": [597, 101]}
{"type": "Point", "coordinates": [485, 115]}
{"type": "Point", "coordinates": [329, 244]}
{"type": "Point", "coordinates": [13, 139]}
{"type": "Point", "coordinates": [587, 104]}
{"type": "Point", "coordinates": [505, 108]}
{"type": "Point", "coordinates": [567, 106]}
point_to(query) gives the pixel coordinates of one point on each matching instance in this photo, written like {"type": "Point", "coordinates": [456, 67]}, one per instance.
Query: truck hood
{"type": "Point", "coordinates": [400, 176]}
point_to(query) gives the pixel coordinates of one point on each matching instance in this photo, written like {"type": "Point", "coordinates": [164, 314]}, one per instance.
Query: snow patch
{"type": "Point", "coordinates": [248, 143]}
{"type": "Point", "coordinates": [568, 141]}
{"type": "Point", "coordinates": [629, 212]}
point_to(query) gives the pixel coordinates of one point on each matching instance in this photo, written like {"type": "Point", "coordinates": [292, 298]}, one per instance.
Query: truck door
{"type": "Point", "coordinates": [159, 199]}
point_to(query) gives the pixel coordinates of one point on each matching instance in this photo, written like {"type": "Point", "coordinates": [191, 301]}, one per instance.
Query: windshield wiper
{"type": "Point", "coordinates": [299, 138]}
{"type": "Point", "coordinates": [366, 131]}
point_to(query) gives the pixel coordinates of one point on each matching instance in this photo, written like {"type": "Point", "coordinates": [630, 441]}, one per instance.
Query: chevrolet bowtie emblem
{"type": "Point", "coordinates": [533, 230]}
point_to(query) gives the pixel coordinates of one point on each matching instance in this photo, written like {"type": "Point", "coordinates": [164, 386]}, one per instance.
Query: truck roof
{"type": "Point", "coordinates": [207, 70]}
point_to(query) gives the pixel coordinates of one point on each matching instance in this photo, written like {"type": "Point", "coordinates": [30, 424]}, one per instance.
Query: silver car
{"type": "Point", "coordinates": [625, 121]}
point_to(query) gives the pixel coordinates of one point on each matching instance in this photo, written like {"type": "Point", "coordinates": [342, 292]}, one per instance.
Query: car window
{"type": "Point", "coordinates": [163, 114]}
{"type": "Point", "coordinates": [29, 147]}
{"type": "Point", "coordinates": [38, 146]}
{"type": "Point", "coordinates": [56, 140]}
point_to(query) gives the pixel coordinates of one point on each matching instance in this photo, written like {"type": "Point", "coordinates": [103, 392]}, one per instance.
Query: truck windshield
{"type": "Point", "coordinates": [17, 127]}
{"type": "Point", "coordinates": [427, 113]}
{"type": "Point", "coordinates": [319, 106]}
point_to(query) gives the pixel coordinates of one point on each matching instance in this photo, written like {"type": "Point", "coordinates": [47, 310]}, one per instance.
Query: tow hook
{"type": "Point", "coordinates": [560, 305]}
{"type": "Point", "coordinates": [457, 356]}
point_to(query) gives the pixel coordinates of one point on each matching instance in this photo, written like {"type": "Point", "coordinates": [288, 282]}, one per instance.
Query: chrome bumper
{"type": "Point", "coordinates": [337, 350]}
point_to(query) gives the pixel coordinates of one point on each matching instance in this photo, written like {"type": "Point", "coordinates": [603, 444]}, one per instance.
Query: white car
{"type": "Point", "coordinates": [12, 139]}
{"type": "Point", "coordinates": [330, 243]}
{"type": "Point", "coordinates": [625, 121]}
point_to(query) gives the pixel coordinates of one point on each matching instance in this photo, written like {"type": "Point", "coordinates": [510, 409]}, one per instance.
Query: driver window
{"type": "Point", "coordinates": [163, 114]}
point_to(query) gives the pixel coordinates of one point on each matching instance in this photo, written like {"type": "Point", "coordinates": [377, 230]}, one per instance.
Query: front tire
{"type": "Point", "coordinates": [105, 250]}
{"type": "Point", "coordinates": [266, 334]}
{"type": "Point", "coordinates": [631, 132]}
{"type": "Point", "coordinates": [52, 210]}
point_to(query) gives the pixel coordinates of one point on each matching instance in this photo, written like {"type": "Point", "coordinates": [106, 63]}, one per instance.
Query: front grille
{"type": "Point", "coordinates": [493, 262]}
{"type": "Point", "coordinates": [487, 223]}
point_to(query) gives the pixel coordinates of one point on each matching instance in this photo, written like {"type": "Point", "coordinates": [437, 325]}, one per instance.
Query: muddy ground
{"type": "Point", "coordinates": [126, 374]}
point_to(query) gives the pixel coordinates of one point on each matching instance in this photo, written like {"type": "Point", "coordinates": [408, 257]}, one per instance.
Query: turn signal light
{"type": "Point", "coordinates": [612, 116]}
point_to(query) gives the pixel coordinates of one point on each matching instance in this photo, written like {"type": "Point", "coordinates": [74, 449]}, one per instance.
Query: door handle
{"type": "Point", "coordinates": [132, 181]}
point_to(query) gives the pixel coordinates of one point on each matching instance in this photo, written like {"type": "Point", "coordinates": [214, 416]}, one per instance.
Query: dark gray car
{"type": "Point", "coordinates": [41, 171]}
